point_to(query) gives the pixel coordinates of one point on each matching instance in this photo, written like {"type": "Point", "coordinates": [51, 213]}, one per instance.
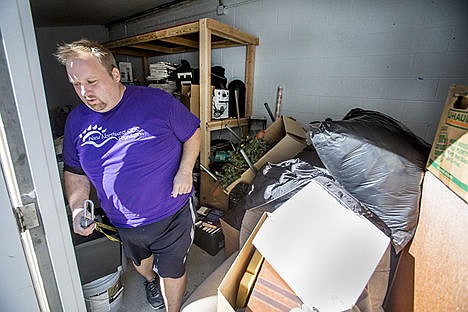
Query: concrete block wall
{"type": "Point", "coordinates": [397, 57]}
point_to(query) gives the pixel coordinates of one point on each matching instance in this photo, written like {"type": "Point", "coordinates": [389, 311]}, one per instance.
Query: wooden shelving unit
{"type": "Point", "coordinates": [202, 36]}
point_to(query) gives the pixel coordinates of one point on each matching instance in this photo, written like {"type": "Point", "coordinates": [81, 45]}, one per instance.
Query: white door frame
{"type": "Point", "coordinates": [52, 236]}
{"type": "Point", "coordinates": [16, 282]}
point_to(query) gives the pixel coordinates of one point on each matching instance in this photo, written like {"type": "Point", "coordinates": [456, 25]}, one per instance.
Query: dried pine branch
{"type": "Point", "coordinates": [232, 170]}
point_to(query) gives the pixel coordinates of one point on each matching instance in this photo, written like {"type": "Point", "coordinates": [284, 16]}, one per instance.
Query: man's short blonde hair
{"type": "Point", "coordinates": [67, 52]}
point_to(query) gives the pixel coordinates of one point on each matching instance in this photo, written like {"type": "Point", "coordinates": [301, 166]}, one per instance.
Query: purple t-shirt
{"type": "Point", "coordinates": [131, 153]}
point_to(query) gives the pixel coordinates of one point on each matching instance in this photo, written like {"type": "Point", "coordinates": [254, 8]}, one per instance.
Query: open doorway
{"type": "Point", "coordinates": [31, 178]}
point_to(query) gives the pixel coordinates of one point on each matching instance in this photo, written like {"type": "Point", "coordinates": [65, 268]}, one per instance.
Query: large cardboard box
{"type": "Point", "coordinates": [227, 290]}
{"type": "Point", "coordinates": [231, 238]}
{"type": "Point", "coordinates": [325, 263]}
{"type": "Point", "coordinates": [449, 155]}
{"type": "Point", "coordinates": [287, 138]}
{"type": "Point", "coordinates": [432, 274]}
{"type": "Point", "coordinates": [212, 194]}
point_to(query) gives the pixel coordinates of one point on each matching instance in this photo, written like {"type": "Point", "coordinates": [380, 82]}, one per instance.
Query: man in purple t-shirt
{"type": "Point", "coordinates": [138, 147]}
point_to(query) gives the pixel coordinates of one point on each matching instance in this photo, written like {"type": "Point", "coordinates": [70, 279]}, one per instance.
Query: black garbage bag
{"type": "Point", "coordinates": [388, 133]}
{"type": "Point", "coordinates": [380, 162]}
{"type": "Point", "coordinates": [272, 186]}
{"type": "Point", "coordinates": [237, 196]}
{"type": "Point", "coordinates": [276, 183]}
{"type": "Point", "coordinates": [299, 172]}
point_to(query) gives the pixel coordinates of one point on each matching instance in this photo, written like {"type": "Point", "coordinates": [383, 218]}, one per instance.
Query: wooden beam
{"type": "Point", "coordinates": [164, 50]}
{"type": "Point", "coordinates": [182, 41]}
{"type": "Point", "coordinates": [223, 44]}
{"type": "Point", "coordinates": [205, 96]}
{"type": "Point", "coordinates": [131, 52]}
{"type": "Point", "coordinates": [146, 70]}
{"type": "Point", "coordinates": [249, 78]}
{"type": "Point", "coordinates": [222, 123]}
{"type": "Point", "coordinates": [151, 47]}
{"type": "Point", "coordinates": [174, 31]}
{"type": "Point", "coordinates": [231, 33]}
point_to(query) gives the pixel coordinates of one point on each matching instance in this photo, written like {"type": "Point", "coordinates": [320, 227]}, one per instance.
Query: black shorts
{"type": "Point", "coordinates": [168, 240]}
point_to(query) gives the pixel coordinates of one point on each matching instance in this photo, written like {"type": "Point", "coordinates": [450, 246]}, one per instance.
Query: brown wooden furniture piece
{"type": "Point", "coordinates": [202, 36]}
{"type": "Point", "coordinates": [271, 293]}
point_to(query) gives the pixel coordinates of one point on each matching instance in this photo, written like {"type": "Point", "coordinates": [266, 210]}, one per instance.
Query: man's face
{"type": "Point", "coordinates": [99, 90]}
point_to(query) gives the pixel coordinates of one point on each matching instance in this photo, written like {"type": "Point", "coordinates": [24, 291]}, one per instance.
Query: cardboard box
{"type": "Point", "coordinates": [287, 138]}
{"type": "Point", "coordinates": [231, 238]}
{"type": "Point", "coordinates": [227, 290]}
{"type": "Point", "coordinates": [448, 160]}
{"type": "Point", "coordinates": [432, 274]}
{"type": "Point", "coordinates": [325, 263]}
{"type": "Point", "coordinates": [212, 194]}
{"type": "Point", "coordinates": [190, 97]}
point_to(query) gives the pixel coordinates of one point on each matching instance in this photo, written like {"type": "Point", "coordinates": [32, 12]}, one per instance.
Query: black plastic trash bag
{"type": "Point", "coordinates": [233, 216]}
{"type": "Point", "coordinates": [276, 183]}
{"type": "Point", "coordinates": [380, 162]}
{"type": "Point", "coordinates": [272, 186]}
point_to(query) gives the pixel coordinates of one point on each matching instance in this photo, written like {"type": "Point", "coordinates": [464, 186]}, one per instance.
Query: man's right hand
{"type": "Point", "coordinates": [77, 189]}
{"type": "Point", "coordinates": [77, 215]}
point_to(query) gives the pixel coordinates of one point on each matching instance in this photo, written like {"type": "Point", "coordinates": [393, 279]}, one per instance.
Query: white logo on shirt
{"type": "Point", "coordinates": [97, 136]}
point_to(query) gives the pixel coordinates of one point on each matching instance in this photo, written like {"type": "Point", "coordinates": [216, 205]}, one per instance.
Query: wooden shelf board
{"type": "Point", "coordinates": [222, 123]}
{"type": "Point", "coordinates": [180, 39]}
{"type": "Point", "coordinates": [202, 35]}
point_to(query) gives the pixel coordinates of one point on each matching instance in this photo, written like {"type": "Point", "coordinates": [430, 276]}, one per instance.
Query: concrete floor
{"type": "Point", "coordinates": [200, 264]}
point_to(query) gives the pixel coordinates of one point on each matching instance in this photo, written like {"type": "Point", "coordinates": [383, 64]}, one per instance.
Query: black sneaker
{"type": "Point", "coordinates": [153, 293]}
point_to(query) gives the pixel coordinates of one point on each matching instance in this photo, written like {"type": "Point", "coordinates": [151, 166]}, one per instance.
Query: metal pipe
{"type": "Point", "coordinates": [279, 99]}
{"type": "Point", "coordinates": [234, 133]}
{"type": "Point", "coordinates": [247, 160]}
{"type": "Point", "coordinates": [211, 174]}
{"type": "Point", "coordinates": [269, 112]}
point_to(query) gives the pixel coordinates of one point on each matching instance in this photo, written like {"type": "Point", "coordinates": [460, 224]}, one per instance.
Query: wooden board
{"type": "Point", "coordinates": [433, 274]}
{"type": "Point", "coordinates": [271, 293]}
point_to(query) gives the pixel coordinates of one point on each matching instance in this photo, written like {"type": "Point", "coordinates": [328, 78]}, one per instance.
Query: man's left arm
{"type": "Point", "coordinates": [183, 179]}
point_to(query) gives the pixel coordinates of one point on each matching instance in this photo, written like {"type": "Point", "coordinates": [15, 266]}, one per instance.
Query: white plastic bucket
{"type": "Point", "coordinates": [104, 294]}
